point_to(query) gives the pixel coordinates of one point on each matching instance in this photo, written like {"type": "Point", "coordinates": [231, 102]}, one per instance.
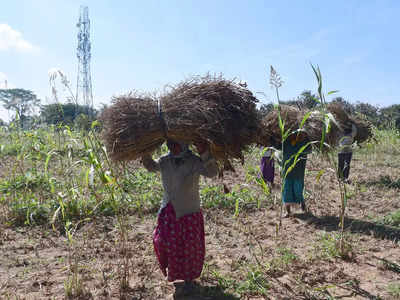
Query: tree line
{"type": "Point", "coordinates": [29, 112]}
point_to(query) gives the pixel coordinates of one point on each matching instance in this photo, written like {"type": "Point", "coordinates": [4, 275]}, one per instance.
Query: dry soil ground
{"type": "Point", "coordinates": [248, 257]}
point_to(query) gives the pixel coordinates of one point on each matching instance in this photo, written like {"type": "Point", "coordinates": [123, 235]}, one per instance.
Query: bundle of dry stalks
{"type": "Point", "coordinates": [364, 127]}
{"type": "Point", "coordinates": [221, 112]}
{"type": "Point", "coordinates": [314, 124]}
{"type": "Point", "coordinates": [132, 127]}
{"type": "Point", "coordinates": [270, 134]}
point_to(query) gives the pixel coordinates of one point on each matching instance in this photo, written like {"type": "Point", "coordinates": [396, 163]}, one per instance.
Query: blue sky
{"type": "Point", "coordinates": [144, 45]}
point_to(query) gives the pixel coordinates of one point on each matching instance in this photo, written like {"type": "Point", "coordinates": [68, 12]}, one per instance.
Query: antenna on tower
{"type": "Point", "coordinates": [84, 81]}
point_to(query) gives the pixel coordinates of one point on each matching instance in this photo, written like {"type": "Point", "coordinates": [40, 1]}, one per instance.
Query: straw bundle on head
{"type": "Point", "coordinates": [132, 127]}
{"type": "Point", "coordinates": [364, 129]}
{"type": "Point", "coordinates": [314, 123]}
{"type": "Point", "coordinates": [339, 114]}
{"type": "Point", "coordinates": [289, 116]}
{"type": "Point", "coordinates": [212, 109]}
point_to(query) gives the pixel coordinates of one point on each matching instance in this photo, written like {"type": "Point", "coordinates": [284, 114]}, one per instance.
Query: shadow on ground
{"type": "Point", "coordinates": [203, 293]}
{"type": "Point", "coordinates": [330, 223]}
{"type": "Point", "coordinates": [383, 181]}
{"type": "Point", "coordinates": [355, 290]}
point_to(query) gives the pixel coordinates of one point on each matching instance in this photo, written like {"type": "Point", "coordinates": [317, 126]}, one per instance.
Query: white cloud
{"type": "Point", "coordinates": [12, 39]}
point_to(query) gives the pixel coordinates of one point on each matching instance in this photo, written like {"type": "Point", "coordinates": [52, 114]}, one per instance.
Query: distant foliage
{"type": "Point", "coordinates": [370, 111]}
{"type": "Point", "coordinates": [308, 100]}
{"type": "Point", "coordinates": [22, 102]}
{"type": "Point", "coordinates": [390, 116]}
{"type": "Point", "coordinates": [68, 114]}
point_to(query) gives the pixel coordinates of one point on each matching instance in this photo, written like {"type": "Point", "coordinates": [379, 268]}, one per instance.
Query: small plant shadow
{"type": "Point", "coordinates": [385, 181]}
{"type": "Point", "coordinates": [330, 223]}
{"type": "Point", "coordinates": [201, 292]}
{"type": "Point", "coordinates": [389, 265]}
{"type": "Point", "coordinates": [353, 286]}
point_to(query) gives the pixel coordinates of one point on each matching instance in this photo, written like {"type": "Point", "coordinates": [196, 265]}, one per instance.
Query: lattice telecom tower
{"type": "Point", "coordinates": [84, 81]}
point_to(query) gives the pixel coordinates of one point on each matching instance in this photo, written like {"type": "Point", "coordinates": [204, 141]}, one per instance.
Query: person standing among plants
{"type": "Point", "coordinates": [293, 171]}
{"type": "Point", "coordinates": [346, 152]}
{"type": "Point", "coordinates": [267, 167]}
{"type": "Point", "coordinates": [179, 239]}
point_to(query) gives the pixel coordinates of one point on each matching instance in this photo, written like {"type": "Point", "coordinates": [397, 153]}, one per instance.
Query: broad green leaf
{"type": "Point", "coordinates": [316, 99]}
{"type": "Point", "coordinates": [307, 115]}
{"type": "Point", "coordinates": [87, 176]}
{"type": "Point", "coordinates": [319, 175]}
{"type": "Point", "coordinates": [46, 164]}
{"type": "Point", "coordinates": [332, 92]}
{"type": "Point", "coordinates": [281, 123]}
{"type": "Point", "coordinates": [95, 123]}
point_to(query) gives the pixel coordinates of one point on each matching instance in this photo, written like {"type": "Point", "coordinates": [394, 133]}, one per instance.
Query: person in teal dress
{"type": "Point", "coordinates": [294, 179]}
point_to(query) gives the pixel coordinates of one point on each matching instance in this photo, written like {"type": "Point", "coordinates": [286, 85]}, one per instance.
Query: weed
{"type": "Point", "coordinates": [238, 199]}
{"type": "Point", "coordinates": [213, 197]}
{"type": "Point", "coordinates": [334, 245]}
{"type": "Point", "coordinates": [73, 285]}
{"type": "Point", "coordinates": [285, 256]}
{"type": "Point", "coordinates": [252, 173]}
{"type": "Point", "coordinates": [392, 219]}
{"type": "Point", "coordinates": [394, 290]}
{"type": "Point", "coordinates": [123, 248]}
{"type": "Point", "coordinates": [146, 186]}
{"type": "Point", "coordinates": [26, 181]}
{"type": "Point", "coordinates": [255, 283]}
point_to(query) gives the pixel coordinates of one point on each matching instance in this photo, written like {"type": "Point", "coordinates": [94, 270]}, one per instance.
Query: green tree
{"type": "Point", "coordinates": [369, 110]}
{"type": "Point", "coordinates": [308, 100]}
{"type": "Point", "coordinates": [67, 114]}
{"type": "Point", "coordinates": [390, 116]}
{"type": "Point", "coordinates": [21, 101]}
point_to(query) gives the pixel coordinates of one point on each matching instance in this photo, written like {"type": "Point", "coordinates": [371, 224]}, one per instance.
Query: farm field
{"type": "Point", "coordinates": [75, 226]}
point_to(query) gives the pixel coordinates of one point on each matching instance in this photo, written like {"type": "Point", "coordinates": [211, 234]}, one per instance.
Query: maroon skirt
{"type": "Point", "coordinates": [179, 244]}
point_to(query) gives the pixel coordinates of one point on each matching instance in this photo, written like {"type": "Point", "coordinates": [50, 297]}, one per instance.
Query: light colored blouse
{"type": "Point", "coordinates": [346, 141]}
{"type": "Point", "coordinates": [181, 180]}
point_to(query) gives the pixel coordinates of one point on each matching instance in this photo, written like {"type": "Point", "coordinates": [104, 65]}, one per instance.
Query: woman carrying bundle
{"type": "Point", "coordinates": [345, 153]}
{"type": "Point", "coordinates": [267, 167]}
{"type": "Point", "coordinates": [179, 236]}
{"type": "Point", "coordinates": [293, 171]}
